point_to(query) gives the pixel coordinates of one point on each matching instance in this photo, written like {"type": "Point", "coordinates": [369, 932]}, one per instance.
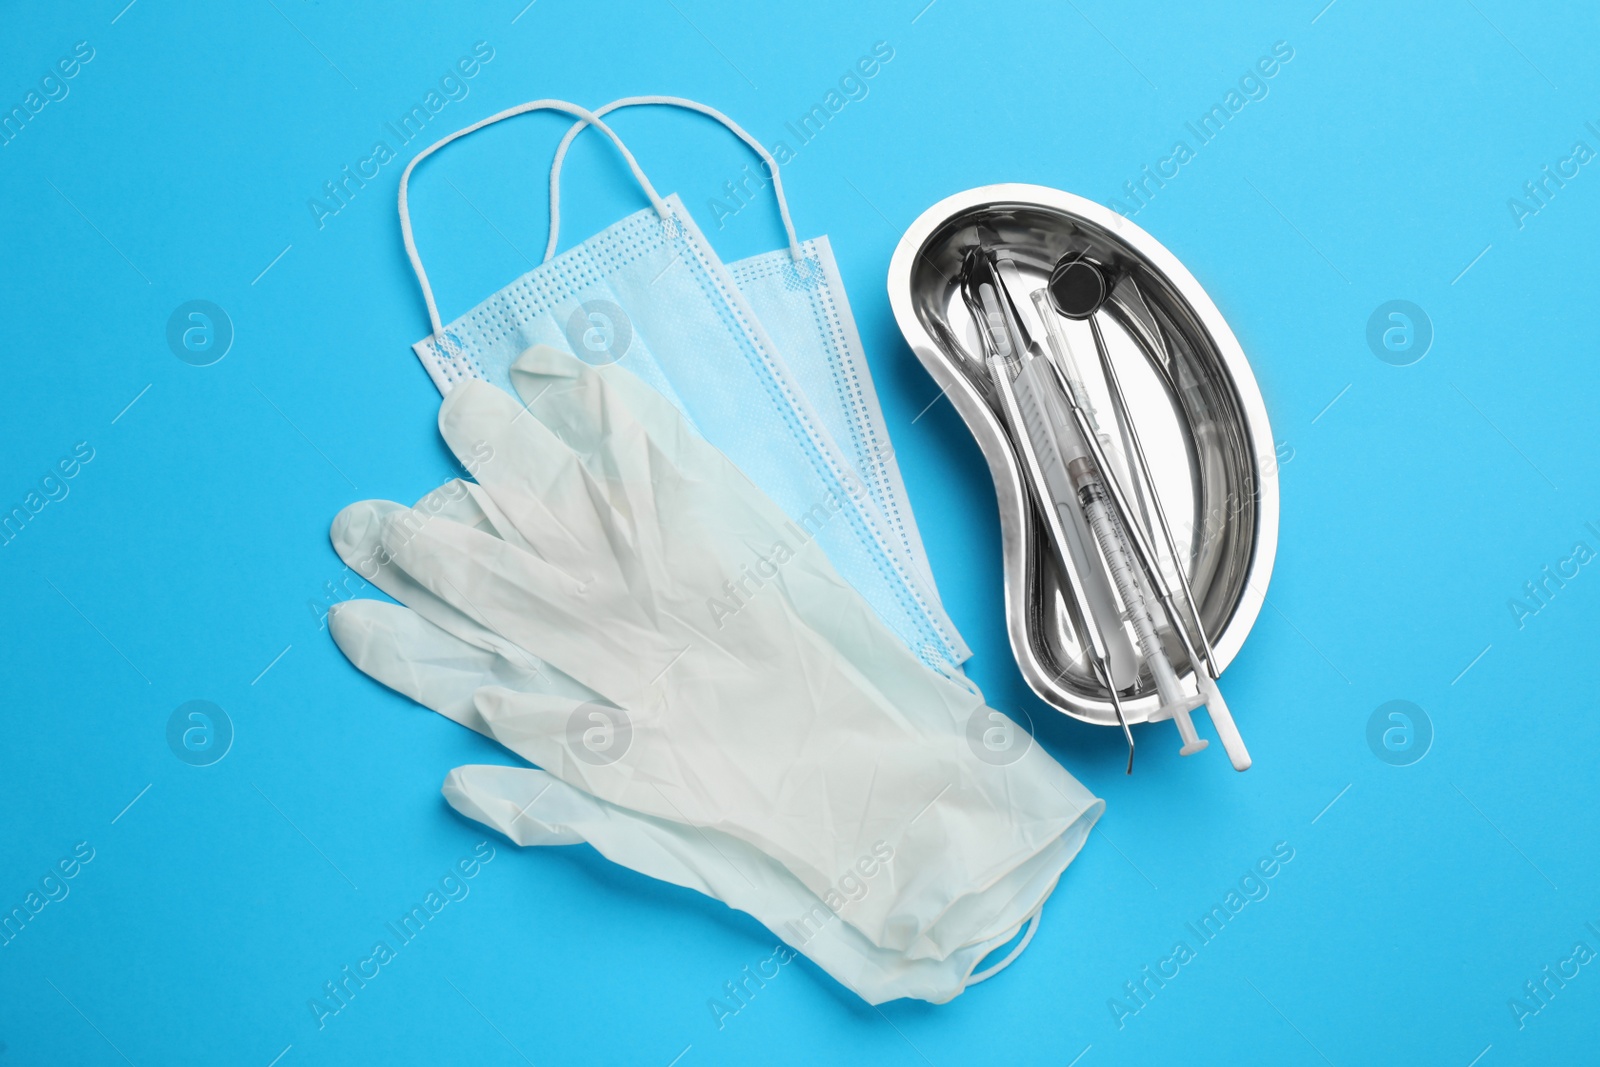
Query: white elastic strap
{"type": "Point", "coordinates": [667, 101]}
{"type": "Point", "coordinates": [521, 109]}
{"type": "Point", "coordinates": [989, 972]}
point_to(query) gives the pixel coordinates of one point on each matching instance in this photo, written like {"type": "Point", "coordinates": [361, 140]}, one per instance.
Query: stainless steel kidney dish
{"type": "Point", "coordinates": [1171, 388]}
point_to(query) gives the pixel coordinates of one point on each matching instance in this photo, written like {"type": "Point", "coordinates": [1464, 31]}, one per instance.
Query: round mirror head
{"type": "Point", "coordinates": [1077, 287]}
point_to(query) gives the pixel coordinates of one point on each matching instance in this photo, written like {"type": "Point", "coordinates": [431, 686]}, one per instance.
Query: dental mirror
{"type": "Point", "coordinates": [1077, 287]}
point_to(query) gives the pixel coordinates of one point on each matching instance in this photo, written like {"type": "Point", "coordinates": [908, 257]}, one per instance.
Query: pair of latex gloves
{"type": "Point", "coordinates": [710, 704]}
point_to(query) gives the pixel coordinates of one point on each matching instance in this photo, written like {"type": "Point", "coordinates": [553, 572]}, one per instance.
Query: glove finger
{"type": "Point", "coordinates": [578, 749]}
{"type": "Point", "coordinates": [534, 807]}
{"type": "Point", "coordinates": [357, 536]}
{"type": "Point", "coordinates": [400, 649]}
{"type": "Point", "coordinates": [466, 504]}
{"type": "Point", "coordinates": [631, 437]}
{"type": "Point", "coordinates": [592, 631]}
{"type": "Point", "coordinates": [626, 432]}
{"type": "Point", "coordinates": [502, 798]}
{"type": "Point", "coordinates": [536, 480]}
{"type": "Point", "coordinates": [608, 753]}
{"type": "Point", "coordinates": [678, 493]}
{"type": "Point", "coordinates": [495, 521]}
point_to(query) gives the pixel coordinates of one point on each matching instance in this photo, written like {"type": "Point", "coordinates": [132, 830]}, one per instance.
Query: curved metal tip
{"type": "Point", "coordinates": [1116, 705]}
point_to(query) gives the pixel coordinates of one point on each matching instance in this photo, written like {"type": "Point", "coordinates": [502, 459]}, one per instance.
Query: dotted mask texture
{"type": "Point", "coordinates": [804, 307]}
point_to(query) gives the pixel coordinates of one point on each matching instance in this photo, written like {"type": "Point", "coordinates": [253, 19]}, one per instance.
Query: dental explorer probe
{"type": "Point", "coordinates": [1049, 484]}
{"type": "Point", "coordinates": [1114, 382]}
{"type": "Point", "coordinates": [1221, 717]}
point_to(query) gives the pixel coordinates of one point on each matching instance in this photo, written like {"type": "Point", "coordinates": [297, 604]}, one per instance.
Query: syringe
{"type": "Point", "coordinates": [1114, 550]}
{"type": "Point", "coordinates": [1072, 465]}
{"type": "Point", "coordinates": [1045, 472]}
{"type": "Point", "coordinates": [1173, 702]}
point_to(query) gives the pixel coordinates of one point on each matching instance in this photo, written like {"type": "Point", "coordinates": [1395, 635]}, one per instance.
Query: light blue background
{"type": "Point", "coordinates": [184, 560]}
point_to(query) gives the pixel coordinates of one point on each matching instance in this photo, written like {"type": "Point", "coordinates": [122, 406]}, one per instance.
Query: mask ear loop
{"type": "Point", "coordinates": [667, 101]}
{"type": "Point", "coordinates": [1016, 950]}
{"type": "Point", "coordinates": [587, 118]}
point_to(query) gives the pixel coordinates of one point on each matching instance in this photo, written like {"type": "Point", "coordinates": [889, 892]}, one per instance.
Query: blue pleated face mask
{"type": "Point", "coordinates": [799, 297]}
{"type": "Point", "coordinates": [648, 294]}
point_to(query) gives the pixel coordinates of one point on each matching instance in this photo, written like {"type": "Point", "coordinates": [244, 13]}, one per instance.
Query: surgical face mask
{"type": "Point", "coordinates": [799, 296]}
{"type": "Point", "coordinates": [649, 294]}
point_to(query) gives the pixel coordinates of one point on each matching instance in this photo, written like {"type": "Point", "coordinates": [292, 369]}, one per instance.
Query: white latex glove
{"type": "Point", "coordinates": [800, 726]}
{"type": "Point", "coordinates": [404, 651]}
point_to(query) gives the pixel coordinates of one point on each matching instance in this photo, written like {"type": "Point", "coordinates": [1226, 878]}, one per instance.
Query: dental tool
{"type": "Point", "coordinates": [1145, 330]}
{"type": "Point", "coordinates": [1042, 458]}
{"type": "Point", "coordinates": [998, 269]}
{"type": "Point", "coordinates": [1069, 463]}
{"type": "Point", "coordinates": [1107, 510]}
{"type": "Point", "coordinates": [1076, 291]}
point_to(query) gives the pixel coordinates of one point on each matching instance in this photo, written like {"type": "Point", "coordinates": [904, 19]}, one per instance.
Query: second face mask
{"type": "Point", "coordinates": [799, 297]}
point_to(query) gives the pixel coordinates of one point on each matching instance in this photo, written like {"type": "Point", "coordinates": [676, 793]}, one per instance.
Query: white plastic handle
{"type": "Point", "coordinates": [1222, 721]}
